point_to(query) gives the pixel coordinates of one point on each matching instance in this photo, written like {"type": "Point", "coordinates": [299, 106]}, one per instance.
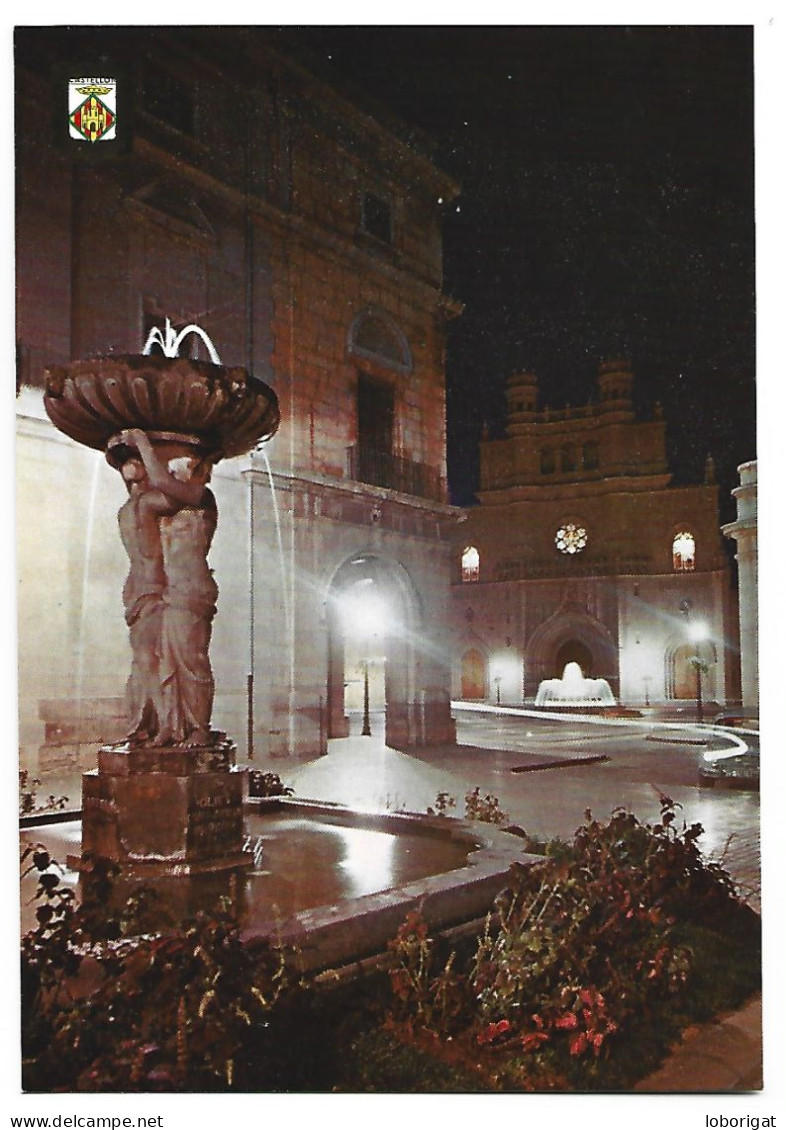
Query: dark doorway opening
{"type": "Point", "coordinates": [574, 651]}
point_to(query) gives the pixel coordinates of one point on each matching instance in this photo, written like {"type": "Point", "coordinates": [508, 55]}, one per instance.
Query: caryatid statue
{"type": "Point", "coordinates": [167, 526]}
{"type": "Point", "coordinates": [163, 422]}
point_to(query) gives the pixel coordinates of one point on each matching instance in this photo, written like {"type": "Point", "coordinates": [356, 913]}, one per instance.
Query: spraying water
{"type": "Point", "coordinates": [279, 541]}
{"type": "Point", "coordinates": [574, 689]}
{"type": "Point", "coordinates": [169, 340]}
{"type": "Point", "coordinates": [80, 647]}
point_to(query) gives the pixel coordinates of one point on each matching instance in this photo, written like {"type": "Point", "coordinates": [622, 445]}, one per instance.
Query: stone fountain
{"type": "Point", "coordinates": [574, 690]}
{"type": "Point", "coordinates": [169, 798]}
{"type": "Point", "coordinates": [167, 803]}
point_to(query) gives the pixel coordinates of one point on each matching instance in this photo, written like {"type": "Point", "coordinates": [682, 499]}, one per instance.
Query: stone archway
{"type": "Point", "coordinates": [681, 676]}
{"type": "Point", "coordinates": [682, 682]}
{"type": "Point", "coordinates": [570, 636]}
{"type": "Point", "coordinates": [374, 615]}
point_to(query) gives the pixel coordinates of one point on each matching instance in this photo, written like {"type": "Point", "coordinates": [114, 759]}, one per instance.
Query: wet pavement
{"type": "Point", "coordinates": [547, 772]}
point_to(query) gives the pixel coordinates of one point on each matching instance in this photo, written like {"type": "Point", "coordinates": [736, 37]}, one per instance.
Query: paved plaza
{"type": "Point", "coordinates": [546, 772]}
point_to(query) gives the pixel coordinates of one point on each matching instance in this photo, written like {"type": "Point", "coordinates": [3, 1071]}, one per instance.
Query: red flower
{"type": "Point", "coordinates": [579, 1045]}
{"type": "Point", "coordinates": [531, 1041]}
{"type": "Point", "coordinates": [492, 1031]}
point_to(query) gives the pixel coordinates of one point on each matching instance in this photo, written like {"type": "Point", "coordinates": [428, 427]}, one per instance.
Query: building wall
{"type": "Point", "coordinates": [256, 233]}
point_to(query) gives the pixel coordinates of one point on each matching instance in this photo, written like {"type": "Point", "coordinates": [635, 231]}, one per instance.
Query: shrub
{"type": "Point", "coordinates": [601, 947]}
{"type": "Point", "coordinates": [486, 808]}
{"type": "Point", "coordinates": [266, 784]}
{"type": "Point", "coordinates": [28, 796]}
{"type": "Point", "coordinates": [106, 1008]}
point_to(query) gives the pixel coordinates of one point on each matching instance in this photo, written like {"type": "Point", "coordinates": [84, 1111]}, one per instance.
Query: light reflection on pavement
{"type": "Point", "coordinates": [552, 802]}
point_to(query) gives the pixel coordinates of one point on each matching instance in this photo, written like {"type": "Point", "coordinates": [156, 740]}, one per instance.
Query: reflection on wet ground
{"type": "Point", "coordinates": [307, 863]}
{"type": "Point", "coordinates": [639, 771]}
{"type": "Point", "coordinates": [304, 863]}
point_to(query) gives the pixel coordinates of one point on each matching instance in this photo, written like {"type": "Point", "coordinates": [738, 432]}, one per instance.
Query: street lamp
{"type": "Point", "coordinates": [365, 615]}
{"type": "Point", "coordinates": [647, 679]}
{"type": "Point", "coordinates": [698, 633]}
{"type": "Point", "coordinates": [366, 731]}
{"type": "Point", "coordinates": [498, 680]}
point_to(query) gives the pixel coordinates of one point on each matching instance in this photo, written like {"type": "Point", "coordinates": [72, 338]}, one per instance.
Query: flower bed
{"type": "Point", "coordinates": [595, 959]}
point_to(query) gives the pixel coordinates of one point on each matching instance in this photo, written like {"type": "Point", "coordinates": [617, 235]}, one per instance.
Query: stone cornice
{"type": "Point", "coordinates": [297, 481]}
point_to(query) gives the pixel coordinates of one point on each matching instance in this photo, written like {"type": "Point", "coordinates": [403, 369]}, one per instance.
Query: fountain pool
{"type": "Point", "coordinates": [335, 882]}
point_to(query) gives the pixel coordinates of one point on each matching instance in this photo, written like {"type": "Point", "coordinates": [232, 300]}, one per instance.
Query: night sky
{"type": "Point", "coordinates": [606, 207]}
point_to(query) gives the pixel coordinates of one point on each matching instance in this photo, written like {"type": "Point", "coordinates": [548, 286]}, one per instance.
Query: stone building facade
{"type": "Point", "coordinates": [583, 550]}
{"type": "Point", "coordinates": [305, 238]}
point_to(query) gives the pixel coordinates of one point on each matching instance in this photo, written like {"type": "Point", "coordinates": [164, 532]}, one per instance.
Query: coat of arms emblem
{"type": "Point", "coordinates": [92, 109]}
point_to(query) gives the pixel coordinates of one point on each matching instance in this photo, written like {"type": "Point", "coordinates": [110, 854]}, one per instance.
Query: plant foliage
{"type": "Point", "coordinates": [108, 1008]}
{"type": "Point", "coordinates": [598, 956]}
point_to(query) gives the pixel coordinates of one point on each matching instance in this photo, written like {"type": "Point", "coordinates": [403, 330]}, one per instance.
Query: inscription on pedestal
{"type": "Point", "coordinates": [158, 807]}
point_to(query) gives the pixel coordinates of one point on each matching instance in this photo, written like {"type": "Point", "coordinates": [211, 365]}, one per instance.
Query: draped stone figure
{"type": "Point", "coordinates": [167, 526]}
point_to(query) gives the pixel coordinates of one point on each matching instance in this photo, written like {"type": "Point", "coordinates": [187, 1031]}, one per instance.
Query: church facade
{"type": "Point", "coordinates": [304, 237]}
{"type": "Point", "coordinates": [582, 550]}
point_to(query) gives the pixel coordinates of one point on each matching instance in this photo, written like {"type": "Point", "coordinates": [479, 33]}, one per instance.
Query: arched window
{"type": "Point", "coordinates": [470, 564]}
{"type": "Point", "coordinates": [683, 552]}
{"type": "Point", "coordinates": [547, 461]}
{"type": "Point", "coordinates": [374, 335]}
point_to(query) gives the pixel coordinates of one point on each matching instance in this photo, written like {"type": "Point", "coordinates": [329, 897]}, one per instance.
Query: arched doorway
{"type": "Point", "coordinates": [683, 673]}
{"type": "Point", "coordinates": [682, 680]}
{"type": "Point", "coordinates": [373, 611]}
{"type": "Point", "coordinates": [473, 674]}
{"type": "Point", "coordinates": [570, 635]}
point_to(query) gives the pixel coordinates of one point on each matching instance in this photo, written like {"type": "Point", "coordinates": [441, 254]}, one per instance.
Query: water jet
{"type": "Point", "coordinates": [574, 691]}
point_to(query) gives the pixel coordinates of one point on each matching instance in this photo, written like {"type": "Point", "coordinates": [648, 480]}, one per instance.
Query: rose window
{"type": "Point", "coordinates": [570, 538]}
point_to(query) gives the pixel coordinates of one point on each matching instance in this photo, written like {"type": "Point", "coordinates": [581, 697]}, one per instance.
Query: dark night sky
{"type": "Point", "coordinates": [607, 206]}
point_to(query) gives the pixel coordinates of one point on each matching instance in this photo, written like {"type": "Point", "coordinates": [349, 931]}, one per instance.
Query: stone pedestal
{"type": "Point", "coordinates": [163, 810]}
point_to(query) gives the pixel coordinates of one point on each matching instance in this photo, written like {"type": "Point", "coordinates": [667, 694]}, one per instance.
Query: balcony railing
{"type": "Point", "coordinates": [381, 469]}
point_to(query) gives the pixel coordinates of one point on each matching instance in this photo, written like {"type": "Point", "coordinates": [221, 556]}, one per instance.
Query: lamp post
{"type": "Point", "coordinates": [498, 680]}
{"type": "Point", "coordinates": [365, 616]}
{"type": "Point", "coordinates": [366, 731]}
{"type": "Point", "coordinates": [698, 633]}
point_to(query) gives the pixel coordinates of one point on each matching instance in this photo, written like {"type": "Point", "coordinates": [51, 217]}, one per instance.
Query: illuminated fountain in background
{"type": "Point", "coordinates": [574, 690]}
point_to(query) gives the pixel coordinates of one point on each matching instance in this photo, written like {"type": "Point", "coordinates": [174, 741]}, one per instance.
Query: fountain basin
{"type": "Point", "coordinates": [333, 882]}
{"type": "Point", "coordinates": [225, 411]}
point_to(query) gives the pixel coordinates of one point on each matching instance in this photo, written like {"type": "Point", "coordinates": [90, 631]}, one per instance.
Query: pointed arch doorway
{"type": "Point", "coordinates": [574, 651]}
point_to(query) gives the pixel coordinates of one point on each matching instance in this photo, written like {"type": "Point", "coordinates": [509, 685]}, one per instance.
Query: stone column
{"type": "Point", "coordinates": [745, 533]}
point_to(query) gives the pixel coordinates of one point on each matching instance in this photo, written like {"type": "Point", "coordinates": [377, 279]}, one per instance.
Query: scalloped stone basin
{"type": "Point", "coordinates": [337, 883]}
{"type": "Point", "coordinates": [225, 411]}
